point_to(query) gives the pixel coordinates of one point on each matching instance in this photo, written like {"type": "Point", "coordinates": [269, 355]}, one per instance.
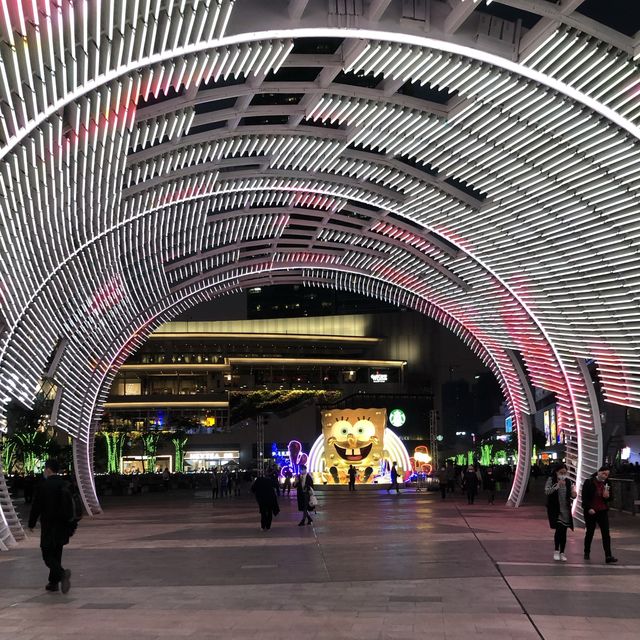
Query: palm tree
{"type": "Point", "coordinates": [29, 440]}
{"type": "Point", "coordinates": [150, 441]}
{"type": "Point", "coordinates": [179, 439]}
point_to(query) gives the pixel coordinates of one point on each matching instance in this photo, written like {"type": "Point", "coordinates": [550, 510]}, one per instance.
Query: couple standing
{"type": "Point", "coordinates": [265, 490]}
{"type": "Point", "coordinates": [561, 492]}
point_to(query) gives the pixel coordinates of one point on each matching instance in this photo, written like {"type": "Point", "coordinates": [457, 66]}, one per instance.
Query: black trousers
{"type": "Point", "coordinates": [443, 490]}
{"type": "Point", "coordinates": [352, 485]}
{"type": "Point", "coordinates": [52, 557]}
{"type": "Point", "coordinates": [600, 518]}
{"type": "Point", "coordinates": [471, 495]}
{"type": "Point", "coordinates": [266, 516]}
{"type": "Point", "coordinates": [560, 538]}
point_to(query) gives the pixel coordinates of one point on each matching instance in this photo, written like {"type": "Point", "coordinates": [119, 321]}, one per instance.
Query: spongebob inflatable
{"type": "Point", "coordinates": [357, 437]}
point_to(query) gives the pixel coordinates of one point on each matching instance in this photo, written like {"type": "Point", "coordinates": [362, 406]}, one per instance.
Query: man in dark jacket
{"type": "Point", "coordinates": [394, 478]}
{"type": "Point", "coordinates": [264, 489]}
{"type": "Point", "coordinates": [470, 484]}
{"type": "Point", "coordinates": [595, 499]}
{"type": "Point", "coordinates": [52, 504]}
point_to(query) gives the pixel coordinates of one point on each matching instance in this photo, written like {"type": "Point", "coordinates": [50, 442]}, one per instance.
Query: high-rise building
{"type": "Point", "coordinates": [292, 301]}
{"type": "Point", "coordinates": [457, 409]}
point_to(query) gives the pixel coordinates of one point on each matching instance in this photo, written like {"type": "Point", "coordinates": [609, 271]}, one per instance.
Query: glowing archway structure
{"type": "Point", "coordinates": [157, 154]}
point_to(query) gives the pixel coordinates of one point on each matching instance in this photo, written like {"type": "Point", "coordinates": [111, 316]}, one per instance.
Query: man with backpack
{"type": "Point", "coordinates": [54, 505]}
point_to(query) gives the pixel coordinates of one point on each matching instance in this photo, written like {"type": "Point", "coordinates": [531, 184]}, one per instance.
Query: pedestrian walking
{"type": "Point", "coordinates": [470, 484]}
{"type": "Point", "coordinates": [53, 506]}
{"type": "Point", "coordinates": [214, 485]}
{"type": "Point", "coordinates": [490, 485]}
{"type": "Point", "coordinates": [29, 487]}
{"type": "Point", "coordinates": [560, 491]}
{"type": "Point", "coordinates": [443, 480]}
{"type": "Point", "coordinates": [595, 498]}
{"type": "Point", "coordinates": [230, 485]}
{"type": "Point", "coordinates": [304, 487]}
{"type": "Point", "coordinates": [286, 487]}
{"type": "Point", "coordinates": [352, 477]}
{"type": "Point", "coordinates": [394, 478]}
{"type": "Point", "coordinates": [451, 478]}
{"type": "Point", "coordinates": [224, 483]}
{"type": "Point", "coordinates": [265, 492]}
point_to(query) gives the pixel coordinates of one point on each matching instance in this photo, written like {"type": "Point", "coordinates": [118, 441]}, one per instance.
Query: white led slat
{"type": "Point", "coordinates": [518, 206]}
{"type": "Point", "coordinates": [598, 70]}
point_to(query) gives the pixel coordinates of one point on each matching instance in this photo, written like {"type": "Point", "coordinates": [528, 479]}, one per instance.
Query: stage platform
{"type": "Point", "coordinates": [364, 487]}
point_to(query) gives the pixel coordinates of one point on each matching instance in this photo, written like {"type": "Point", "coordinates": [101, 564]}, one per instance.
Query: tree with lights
{"type": "Point", "coordinates": [28, 441]}
{"type": "Point", "coordinates": [179, 440]}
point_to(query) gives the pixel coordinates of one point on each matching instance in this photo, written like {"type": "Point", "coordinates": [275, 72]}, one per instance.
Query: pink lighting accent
{"type": "Point", "coordinates": [107, 297]}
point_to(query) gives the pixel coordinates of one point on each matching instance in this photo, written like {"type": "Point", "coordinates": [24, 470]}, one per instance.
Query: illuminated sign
{"type": "Point", "coordinates": [397, 417]}
{"type": "Point", "coordinates": [212, 455]}
{"type": "Point", "coordinates": [551, 427]}
{"type": "Point", "coordinates": [547, 429]}
{"type": "Point", "coordinates": [379, 377]}
{"type": "Point", "coordinates": [421, 460]}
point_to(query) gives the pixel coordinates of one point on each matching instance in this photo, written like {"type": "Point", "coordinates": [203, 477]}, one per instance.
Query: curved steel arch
{"type": "Point", "coordinates": [499, 363]}
{"type": "Point", "coordinates": [318, 32]}
{"type": "Point", "coordinates": [65, 224]}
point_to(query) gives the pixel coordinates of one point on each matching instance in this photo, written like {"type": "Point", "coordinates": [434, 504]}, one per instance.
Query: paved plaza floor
{"type": "Point", "coordinates": [372, 566]}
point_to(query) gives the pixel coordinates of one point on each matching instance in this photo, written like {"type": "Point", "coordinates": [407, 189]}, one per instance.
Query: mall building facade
{"type": "Point", "coordinates": [212, 379]}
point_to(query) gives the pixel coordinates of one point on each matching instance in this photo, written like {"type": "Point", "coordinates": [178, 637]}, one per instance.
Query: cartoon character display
{"type": "Point", "coordinates": [297, 457]}
{"type": "Point", "coordinates": [353, 437]}
{"type": "Point", "coordinates": [421, 460]}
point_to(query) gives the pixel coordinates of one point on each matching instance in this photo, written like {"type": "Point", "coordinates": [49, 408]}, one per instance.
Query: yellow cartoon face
{"type": "Point", "coordinates": [353, 443]}
{"type": "Point", "coordinates": [352, 437]}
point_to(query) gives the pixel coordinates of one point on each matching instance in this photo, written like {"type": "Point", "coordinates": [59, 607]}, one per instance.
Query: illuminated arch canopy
{"type": "Point", "coordinates": [444, 156]}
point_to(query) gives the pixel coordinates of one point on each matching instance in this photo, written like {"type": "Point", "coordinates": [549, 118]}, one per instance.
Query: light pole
{"type": "Point", "coordinates": [260, 445]}
{"type": "Point", "coordinates": [433, 437]}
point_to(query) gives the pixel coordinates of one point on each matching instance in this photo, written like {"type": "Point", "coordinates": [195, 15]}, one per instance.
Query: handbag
{"type": "Point", "coordinates": [313, 500]}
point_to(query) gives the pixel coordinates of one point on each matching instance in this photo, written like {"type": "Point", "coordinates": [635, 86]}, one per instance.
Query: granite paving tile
{"type": "Point", "coordinates": [372, 566]}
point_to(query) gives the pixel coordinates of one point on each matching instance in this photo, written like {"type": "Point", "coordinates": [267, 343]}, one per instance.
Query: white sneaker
{"type": "Point", "coordinates": [563, 557]}
{"type": "Point", "coordinates": [556, 555]}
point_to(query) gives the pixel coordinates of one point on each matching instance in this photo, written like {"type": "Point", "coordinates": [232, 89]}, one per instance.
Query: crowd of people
{"type": "Point", "coordinates": [472, 479]}
{"type": "Point", "coordinates": [627, 470]}
{"type": "Point", "coordinates": [225, 482]}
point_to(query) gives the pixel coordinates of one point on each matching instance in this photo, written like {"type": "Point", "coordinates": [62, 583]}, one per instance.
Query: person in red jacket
{"type": "Point", "coordinates": [595, 499]}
